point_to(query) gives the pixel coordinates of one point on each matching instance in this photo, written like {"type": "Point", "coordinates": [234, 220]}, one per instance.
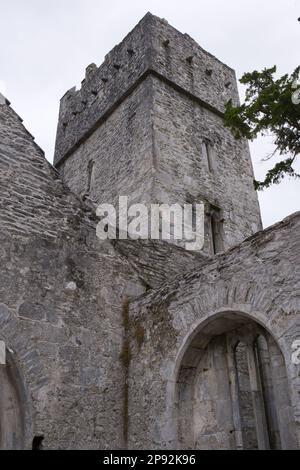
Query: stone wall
{"type": "Point", "coordinates": [182, 173]}
{"type": "Point", "coordinates": [97, 333]}
{"type": "Point", "coordinates": [62, 300]}
{"type": "Point", "coordinates": [121, 149]}
{"type": "Point", "coordinates": [256, 281]}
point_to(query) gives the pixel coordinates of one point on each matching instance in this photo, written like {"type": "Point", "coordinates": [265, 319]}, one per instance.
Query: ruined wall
{"type": "Point", "coordinates": [258, 280]}
{"type": "Point", "coordinates": [99, 371]}
{"type": "Point", "coordinates": [62, 297]}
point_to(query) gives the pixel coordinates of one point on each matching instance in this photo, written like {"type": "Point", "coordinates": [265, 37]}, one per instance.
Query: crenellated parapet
{"type": "Point", "coordinates": [153, 47]}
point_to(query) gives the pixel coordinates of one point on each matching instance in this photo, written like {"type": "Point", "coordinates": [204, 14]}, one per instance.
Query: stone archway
{"type": "Point", "coordinates": [232, 389]}
{"type": "Point", "coordinates": [27, 377]}
{"type": "Point", "coordinates": [12, 403]}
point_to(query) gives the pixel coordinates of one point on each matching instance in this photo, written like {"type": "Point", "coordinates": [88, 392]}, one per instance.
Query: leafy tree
{"type": "Point", "coordinates": [270, 109]}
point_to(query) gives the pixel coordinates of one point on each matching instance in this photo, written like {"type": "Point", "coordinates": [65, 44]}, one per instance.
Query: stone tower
{"type": "Point", "coordinates": [148, 124]}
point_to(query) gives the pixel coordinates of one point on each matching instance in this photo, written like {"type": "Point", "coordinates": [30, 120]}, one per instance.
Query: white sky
{"type": "Point", "coordinates": [45, 47]}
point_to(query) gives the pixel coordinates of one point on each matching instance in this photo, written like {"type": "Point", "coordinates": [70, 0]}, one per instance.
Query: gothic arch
{"type": "Point", "coordinates": [21, 376]}
{"type": "Point", "coordinates": [13, 405]}
{"type": "Point", "coordinates": [231, 387]}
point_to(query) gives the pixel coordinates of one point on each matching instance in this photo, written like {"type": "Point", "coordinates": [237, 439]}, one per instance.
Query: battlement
{"type": "Point", "coordinates": [152, 47]}
{"type": "Point", "coordinates": [4, 100]}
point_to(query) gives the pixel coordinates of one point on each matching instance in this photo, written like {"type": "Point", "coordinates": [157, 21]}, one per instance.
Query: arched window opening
{"type": "Point", "coordinates": [91, 178]}
{"type": "Point", "coordinates": [214, 228]}
{"type": "Point", "coordinates": [208, 152]}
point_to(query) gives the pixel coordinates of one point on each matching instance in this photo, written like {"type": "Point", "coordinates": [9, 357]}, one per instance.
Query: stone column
{"type": "Point", "coordinates": [234, 390]}
{"type": "Point", "coordinates": [268, 392]}
{"type": "Point", "coordinates": [224, 413]}
{"type": "Point", "coordinates": [257, 398]}
{"type": "Point", "coordinates": [287, 428]}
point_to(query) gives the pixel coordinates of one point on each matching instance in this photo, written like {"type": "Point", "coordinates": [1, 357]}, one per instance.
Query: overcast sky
{"type": "Point", "coordinates": [45, 47]}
